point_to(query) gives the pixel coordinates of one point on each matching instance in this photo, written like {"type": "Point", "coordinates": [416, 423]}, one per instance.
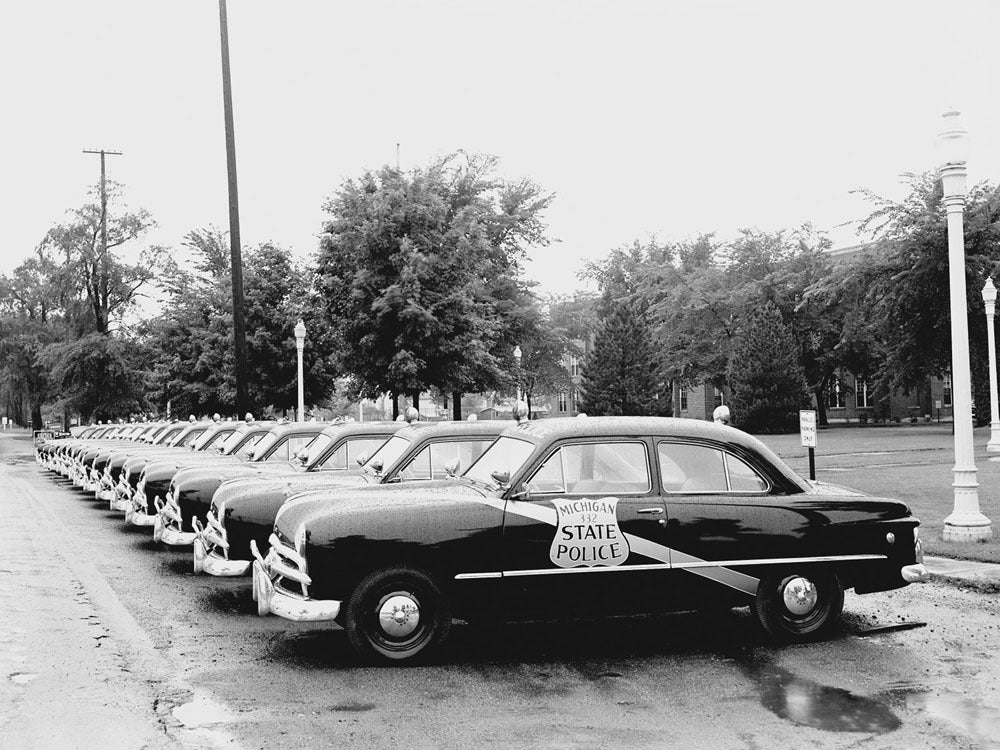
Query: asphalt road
{"type": "Point", "coordinates": [107, 639]}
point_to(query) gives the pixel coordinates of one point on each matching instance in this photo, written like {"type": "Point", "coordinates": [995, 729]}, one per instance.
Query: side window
{"type": "Point", "coordinates": [362, 448]}
{"type": "Point", "coordinates": [249, 445]}
{"type": "Point", "coordinates": [419, 467]}
{"type": "Point", "coordinates": [347, 454]}
{"type": "Point", "coordinates": [691, 468]}
{"type": "Point", "coordinates": [742, 478]}
{"type": "Point", "coordinates": [590, 468]}
{"type": "Point", "coordinates": [336, 460]}
{"type": "Point", "coordinates": [701, 468]}
{"type": "Point", "coordinates": [289, 448]}
{"type": "Point", "coordinates": [462, 453]}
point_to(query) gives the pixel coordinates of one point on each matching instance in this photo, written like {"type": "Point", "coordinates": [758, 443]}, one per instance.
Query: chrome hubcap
{"type": "Point", "coordinates": [399, 615]}
{"type": "Point", "coordinates": [800, 596]}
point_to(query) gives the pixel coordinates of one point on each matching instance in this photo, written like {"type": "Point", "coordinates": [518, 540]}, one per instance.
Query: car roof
{"type": "Point", "coordinates": [380, 427]}
{"type": "Point", "coordinates": [466, 428]}
{"type": "Point", "coordinates": [549, 430]}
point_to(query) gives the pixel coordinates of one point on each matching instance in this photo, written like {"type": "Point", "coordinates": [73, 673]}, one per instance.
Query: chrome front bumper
{"type": "Point", "coordinates": [271, 573]}
{"type": "Point", "coordinates": [135, 505]}
{"type": "Point", "coordinates": [211, 549]}
{"type": "Point", "coordinates": [168, 523]}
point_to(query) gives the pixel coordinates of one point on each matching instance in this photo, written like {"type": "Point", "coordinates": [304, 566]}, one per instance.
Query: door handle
{"type": "Point", "coordinates": [650, 511]}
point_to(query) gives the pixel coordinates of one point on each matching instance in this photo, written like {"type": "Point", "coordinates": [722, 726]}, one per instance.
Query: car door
{"type": "Point", "coordinates": [721, 516]}
{"type": "Point", "coordinates": [582, 533]}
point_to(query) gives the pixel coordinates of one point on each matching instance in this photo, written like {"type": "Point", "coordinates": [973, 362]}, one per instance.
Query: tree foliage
{"type": "Point", "coordinates": [419, 274]}
{"type": "Point", "coordinates": [766, 380]}
{"type": "Point", "coordinates": [195, 371]}
{"type": "Point", "coordinates": [621, 374]}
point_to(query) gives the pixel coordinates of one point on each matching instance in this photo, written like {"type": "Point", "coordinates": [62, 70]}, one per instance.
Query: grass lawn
{"type": "Point", "coordinates": [910, 462]}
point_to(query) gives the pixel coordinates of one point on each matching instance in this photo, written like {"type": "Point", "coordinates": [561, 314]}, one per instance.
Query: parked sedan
{"type": "Point", "coordinates": [243, 510]}
{"type": "Point", "coordinates": [567, 517]}
{"type": "Point", "coordinates": [173, 501]}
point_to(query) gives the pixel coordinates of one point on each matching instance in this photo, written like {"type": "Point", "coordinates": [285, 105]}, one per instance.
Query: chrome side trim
{"type": "Point", "coordinates": [665, 566]}
{"type": "Point", "coordinates": [777, 561]}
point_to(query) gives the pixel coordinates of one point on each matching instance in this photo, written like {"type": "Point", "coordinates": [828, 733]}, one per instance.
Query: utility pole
{"type": "Point", "coordinates": [102, 324]}
{"type": "Point", "coordinates": [239, 323]}
{"type": "Point", "coordinates": [104, 197]}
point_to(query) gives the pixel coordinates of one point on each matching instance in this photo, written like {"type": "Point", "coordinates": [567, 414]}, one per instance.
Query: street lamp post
{"type": "Point", "coordinates": [966, 522]}
{"type": "Point", "coordinates": [990, 302]}
{"type": "Point", "coordinates": [300, 342]}
{"type": "Point", "coordinates": [517, 364]}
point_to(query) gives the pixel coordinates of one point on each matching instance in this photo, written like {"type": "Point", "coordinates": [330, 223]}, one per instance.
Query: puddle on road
{"type": "Point", "coordinates": [201, 711]}
{"type": "Point", "coordinates": [811, 704]}
{"type": "Point", "coordinates": [980, 722]}
{"type": "Point", "coordinates": [831, 709]}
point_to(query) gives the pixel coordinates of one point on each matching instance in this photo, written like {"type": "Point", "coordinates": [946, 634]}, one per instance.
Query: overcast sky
{"type": "Point", "coordinates": [644, 117]}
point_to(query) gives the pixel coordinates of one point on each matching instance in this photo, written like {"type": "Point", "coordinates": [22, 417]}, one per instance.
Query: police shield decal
{"type": "Point", "coordinates": [587, 534]}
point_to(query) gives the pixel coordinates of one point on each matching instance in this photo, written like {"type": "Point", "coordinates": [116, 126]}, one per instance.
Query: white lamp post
{"type": "Point", "coordinates": [300, 342]}
{"type": "Point", "coordinates": [966, 522]}
{"type": "Point", "coordinates": [990, 302]}
{"type": "Point", "coordinates": [517, 363]}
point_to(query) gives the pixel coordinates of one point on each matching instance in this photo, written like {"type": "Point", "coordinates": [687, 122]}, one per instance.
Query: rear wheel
{"type": "Point", "coordinates": [799, 605]}
{"type": "Point", "coordinates": [397, 614]}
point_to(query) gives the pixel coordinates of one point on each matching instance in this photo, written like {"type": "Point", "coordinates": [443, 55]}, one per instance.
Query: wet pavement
{"type": "Point", "coordinates": [115, 641]}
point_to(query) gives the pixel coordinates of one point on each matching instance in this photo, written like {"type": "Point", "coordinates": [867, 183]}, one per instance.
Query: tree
{"type": "Point", "coordinates": [902, 288]}
{"type": "Point", "coordinates": [96, 285]}
{"type": "Point", "coordinates": [620, 376]}
{"type": "Point", "coordinates": [765, 377]}
{"type": "Point", "coordinates": [99, 376]}
{"type": "Point", "coordinates": [195, 371]}
{"type": "Point", "coordinates": [30, 320]}
{"type": "Point", "coordinates": [544, 351]}
{"type": "Point", "coordinates": [418, 274]}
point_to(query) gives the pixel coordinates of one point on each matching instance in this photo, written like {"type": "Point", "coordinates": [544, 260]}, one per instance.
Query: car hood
{"type": "Point", "coordinates": [372, 501]}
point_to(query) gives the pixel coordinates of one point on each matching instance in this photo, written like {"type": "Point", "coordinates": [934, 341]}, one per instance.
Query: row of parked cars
{"type": "Point", "coordinates": [391, 530]}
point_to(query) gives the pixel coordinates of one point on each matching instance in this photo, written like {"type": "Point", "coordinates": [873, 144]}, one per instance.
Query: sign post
{"type": "Point", "coordinates": [807, 429]}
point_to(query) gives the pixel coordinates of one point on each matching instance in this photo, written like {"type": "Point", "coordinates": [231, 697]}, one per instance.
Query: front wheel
{"type": "Point", "coordinates": [800, 605]}
{"type": "Point", "coordinates": [396, 615]}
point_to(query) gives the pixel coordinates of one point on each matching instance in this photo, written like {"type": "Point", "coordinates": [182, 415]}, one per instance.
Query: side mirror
{"type": "Point", "coordinates": [451, 468]}
{"type": "Point", "coordinates": [377, 466]}
{"type": "Point", "coordinates": [500, 477]}
{"type": "Point", "coordinates": [302, 457]}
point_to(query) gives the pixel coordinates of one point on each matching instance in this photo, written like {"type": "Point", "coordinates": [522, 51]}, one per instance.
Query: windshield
{"type": "Point", "coordinates": [388, 454]}
{"type": "Point", "coordinates": [506, 455]}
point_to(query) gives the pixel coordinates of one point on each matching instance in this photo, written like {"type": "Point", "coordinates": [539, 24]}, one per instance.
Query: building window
{"type": "Point", "coordinates": [576, 400]}
{"type": "Point", "coordinates": [946, 382]}
{"type": "Point", "coordinates": [574, 365]}
{"type": "Point", "coordinates": [717, 398]}
{"type": "Point", "coordinates": [861, 396]}
{"type": "Point", "coordinates": [835, 395]}
{"type": "Point", "coordinates": [684, 399]}
{"type": "Point", "coordinates": [562, 401]}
